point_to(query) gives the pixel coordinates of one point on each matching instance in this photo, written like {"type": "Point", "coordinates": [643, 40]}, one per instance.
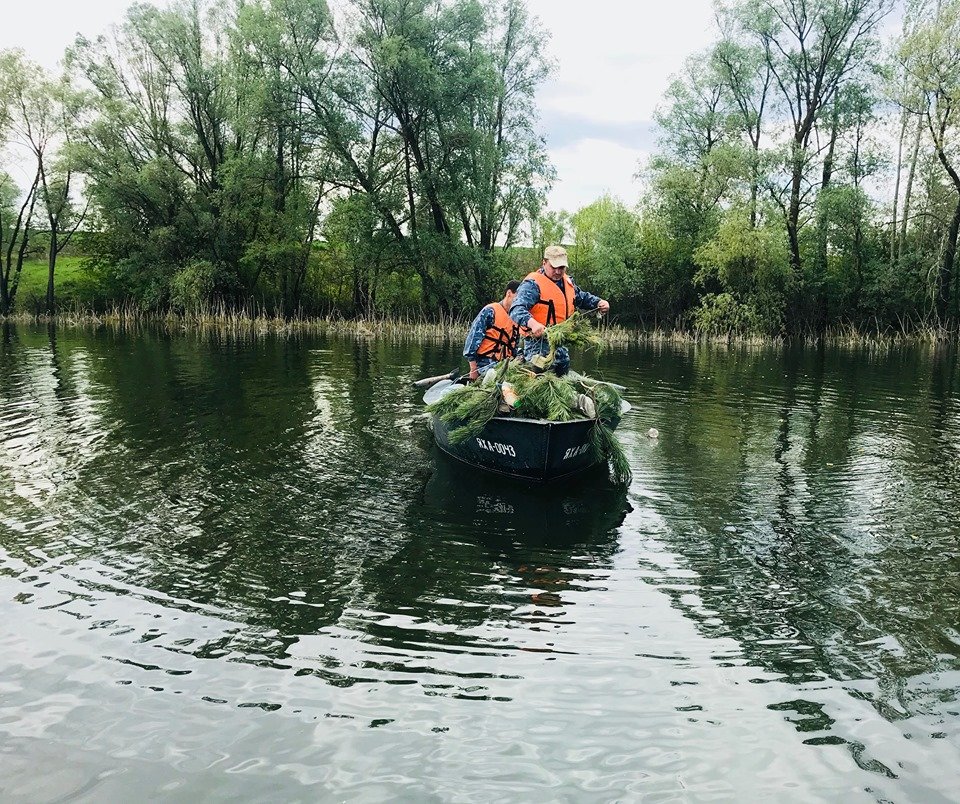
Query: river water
{"type": "Point", "coordinates": [238, 569]}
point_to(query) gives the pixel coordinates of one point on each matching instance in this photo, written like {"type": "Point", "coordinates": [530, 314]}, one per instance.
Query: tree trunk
{"type": "Point", "coordinates": [945, 274]}
{"type": "Point", "coordinates": [361, 293]}
{"type": "Point", "coordinates": [908, 191]}
{"type": "Point", "coordinates": [896, 189]}
{"type": "Point", "coordinates": [4, 298]}
{"type": "Point", "coordinates": [793, 222]}
{"type": "Point", "coordinates": [858, 264]}
{"type": "Point", "coordinates": [21, 230]}
{"type": "Point", "coordinates": [825, 185]}
{"type": "Point", "coordinates": [51, 267]}
{"type": "Point", "coordinates": [306, 251]}
{"type": "Point", "coordinates": [411, 203]}
{"type": "Point", "coordinates": [424, 171]}
{"type": "Point", "coordinates": [755, 136]}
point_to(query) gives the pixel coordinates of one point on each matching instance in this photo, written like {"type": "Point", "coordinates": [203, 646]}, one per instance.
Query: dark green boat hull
{"type": "Point", "coordinates": [528, 449]}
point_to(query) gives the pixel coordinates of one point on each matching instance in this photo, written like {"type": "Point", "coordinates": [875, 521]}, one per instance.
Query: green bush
{"type": "Point", "coordinates": [722, 314]}
{"type": "Point", "coordinates": [192, 287]}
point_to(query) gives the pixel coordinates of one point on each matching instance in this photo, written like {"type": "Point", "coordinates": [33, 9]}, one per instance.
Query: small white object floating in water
{"type": "Point", "coordinates": [653, 432]}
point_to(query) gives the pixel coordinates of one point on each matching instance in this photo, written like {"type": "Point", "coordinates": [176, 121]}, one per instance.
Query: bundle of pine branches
{"type": "Point", "coordinates": [544, 396]}
{"type": "Point", "coordinates": [469, 408]}
{"type": "Point", "coordinates": [559, 399]}
{"type": "Point", "coordinates": [577, 330]}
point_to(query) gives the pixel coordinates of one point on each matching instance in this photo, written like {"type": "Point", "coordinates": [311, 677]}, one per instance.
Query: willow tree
{"type": "Point", "coordinates": [745, 78]}
{"type": "Point", "coordinates": [16, 207]}
{"type": "Point", "coordinates": [811, 47]}
{"type": "Point", "coordinates": [16, 221]}
{"type": "Point", "coordinates": [46, 118]}
{"type": "Point", "coordinates": [427, 109]}
{"type": "Point", "coordinates": [354, 148]}
{"type": "Point", "coordinates": [455, 82]}
{"type": "Point", "coordinates": [693, 171]}
{"type": "Point", "coordinates": [194, 155]}
{"type": "Point", "coordinates": [903, 94]}
{"type": "Point", "coordinates": [930, 54]}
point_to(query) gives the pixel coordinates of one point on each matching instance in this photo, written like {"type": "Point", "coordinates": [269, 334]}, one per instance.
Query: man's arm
{"type": "Point", "coordinates": [528, 294]}
{"type": "Point", "coordinates": [587, 301]}
{"type": "Point", "coordinates": [475, 335]}
{"type": "Point", "coordinates": [583, 300]}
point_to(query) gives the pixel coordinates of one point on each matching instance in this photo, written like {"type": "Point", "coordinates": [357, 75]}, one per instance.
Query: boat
{"type": "Point", "coordinates": [532, 450]}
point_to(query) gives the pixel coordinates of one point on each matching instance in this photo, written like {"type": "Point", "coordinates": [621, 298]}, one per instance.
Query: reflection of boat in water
{"type": "Point", "coordinates": [570, 514]}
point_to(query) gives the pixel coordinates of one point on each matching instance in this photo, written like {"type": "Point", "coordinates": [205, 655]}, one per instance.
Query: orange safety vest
{"type": "Point", "coordinates": [553, 306]}
{"type": "Point", "coordinates": [500, 340]}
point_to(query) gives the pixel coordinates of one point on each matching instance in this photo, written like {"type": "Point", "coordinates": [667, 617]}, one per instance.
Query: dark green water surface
{"type": "Point", "coordinates": [238, 570]}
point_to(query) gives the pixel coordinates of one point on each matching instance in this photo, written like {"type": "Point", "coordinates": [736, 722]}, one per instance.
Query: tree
{"type": "Point", "coordinates": [586, 224]}
{"type": "Point", "coordinates": [15, 233]}
{"type": "Point", "coordinates": [549, 228]}
{"type": "Point", "coordinates": [745, 269]}
{"type": "Point", "coordinates": [701, 158]}
{"type": "Point", "coordinates": [745, 78]}
{"type": "Point", "coordinates": [47, 115]}
{"type": "Point", "coordinates": [441, 94]}
{"type": "Point", "coordinates": [16, 220]}
{"type": "Point", "coordinates": [196, 153]}
{"type": "Point", "coordinates": [931, 56]}
{"type": "Point", "coordinates": [811, 48]}
{"type": "Point", "coordinates": [618, 255]}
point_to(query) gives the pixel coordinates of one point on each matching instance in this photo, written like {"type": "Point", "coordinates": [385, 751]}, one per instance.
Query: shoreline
{"type": "Point", "coordinates": [451, 329]}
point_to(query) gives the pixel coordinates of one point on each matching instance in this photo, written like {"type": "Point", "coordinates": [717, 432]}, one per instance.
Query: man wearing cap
{"type": "Point", "coordinates": [547, 297]}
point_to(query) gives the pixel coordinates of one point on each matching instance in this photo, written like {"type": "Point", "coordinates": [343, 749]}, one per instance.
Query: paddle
{"type": "Point", "coordinates": [451, 375]}
{"type": "Point", "coordinates": [574, 375]}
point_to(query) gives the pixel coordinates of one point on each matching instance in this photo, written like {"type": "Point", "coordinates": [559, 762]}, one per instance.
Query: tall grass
{"type": "Point", "coordinates": [257, 320]}
{"type": "Point", "coordinates": [422, 326]}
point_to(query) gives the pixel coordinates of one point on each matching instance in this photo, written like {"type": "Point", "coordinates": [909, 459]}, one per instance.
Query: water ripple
{"type": "Point", "coordinates": [238, 568]}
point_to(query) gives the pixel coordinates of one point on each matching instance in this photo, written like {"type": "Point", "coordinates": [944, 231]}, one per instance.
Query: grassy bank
{"type": "Point", "coordinates": [75, 287]}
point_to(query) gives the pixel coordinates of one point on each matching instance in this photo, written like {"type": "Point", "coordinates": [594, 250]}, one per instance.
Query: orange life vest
{"type": "Point", "coordinates": [553, 306]}
{"type": "Point", "coordinates": [500, 340]}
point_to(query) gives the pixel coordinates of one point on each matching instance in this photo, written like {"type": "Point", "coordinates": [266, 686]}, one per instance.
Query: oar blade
{"type": "Point", "coordinates": [438, 391]}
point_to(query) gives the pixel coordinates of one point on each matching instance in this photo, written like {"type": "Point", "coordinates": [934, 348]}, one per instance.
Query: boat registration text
{"type": "Point", "coordinates": [573, 452]}
{"type": "Point", "coordinates": [496, 446]}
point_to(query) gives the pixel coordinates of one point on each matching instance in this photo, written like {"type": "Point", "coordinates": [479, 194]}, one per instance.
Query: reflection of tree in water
{"type": "Point", "coordinates": [798, 496]}
{"type": "Point", "coordinates": [51, 423]}
{"type": "Point", "coordinates": [275, 489]}
{"type": "Point", "coordinates": [202, 490]}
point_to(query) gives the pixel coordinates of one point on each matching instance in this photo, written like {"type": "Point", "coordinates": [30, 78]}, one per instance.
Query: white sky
{"type": "Point", "coordinates": [614, 61]}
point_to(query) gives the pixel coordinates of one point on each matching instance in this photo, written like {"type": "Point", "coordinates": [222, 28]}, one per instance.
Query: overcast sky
{"type": "Point", "coordinates": [614, 60]}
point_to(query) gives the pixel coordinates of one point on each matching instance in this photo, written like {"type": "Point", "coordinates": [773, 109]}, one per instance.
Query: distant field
{"type": "Point", "coordinates": [73, 284]}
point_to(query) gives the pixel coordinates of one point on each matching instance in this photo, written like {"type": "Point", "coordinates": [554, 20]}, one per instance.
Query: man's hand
{"type": "Point", "coordinates": [604, 306]}
{"type": "Point", "coordinates": [474, 371]}
{"type": "Point", "coordinates": [535, 328]}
